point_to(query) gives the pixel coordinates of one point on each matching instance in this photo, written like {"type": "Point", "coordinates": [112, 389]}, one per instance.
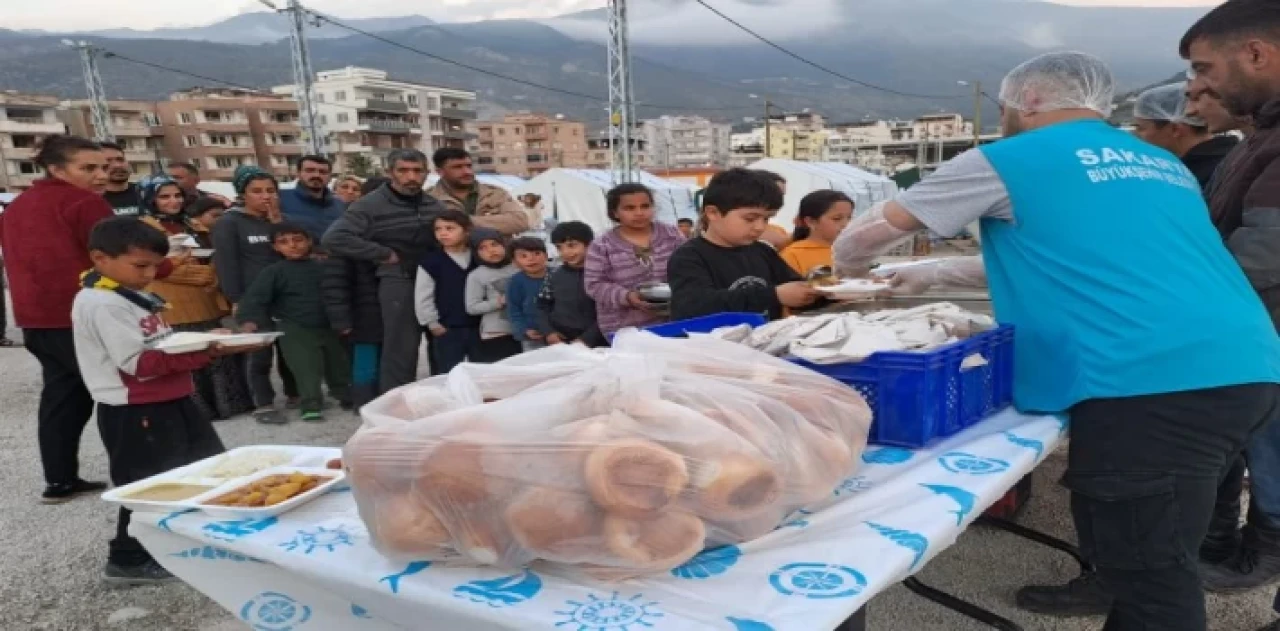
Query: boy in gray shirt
{"type": "Point", "coordinates": [486, 297]}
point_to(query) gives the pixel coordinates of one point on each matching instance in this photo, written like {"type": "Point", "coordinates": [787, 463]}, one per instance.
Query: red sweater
{"type": "Point", "coordinates": [45, 237]}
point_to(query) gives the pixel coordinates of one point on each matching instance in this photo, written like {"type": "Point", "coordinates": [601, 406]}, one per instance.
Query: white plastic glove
{"type": "Point", "coordinates": [865, 238]}
{"type": "Point", "coordinates": [959, 271]}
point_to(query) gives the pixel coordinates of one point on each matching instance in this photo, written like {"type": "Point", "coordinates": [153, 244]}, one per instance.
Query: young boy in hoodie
{"type": "Point", "coordinates": [289, 292]}
{"type": "Point", "coordinates": [522, 295]}
{"type": "Point", "coordinates": [146, 417]}
{"type": "Point", "coordinates": [440, 292]}
{"type": "Point", "coordinates": [569, 313]}
{"type": "Point", "coordinates": [486, 296]}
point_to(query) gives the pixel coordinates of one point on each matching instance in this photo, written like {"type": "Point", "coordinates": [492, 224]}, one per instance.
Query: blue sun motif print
{"type": "Point", "coordinates": [308, 541]}
{"type": "Point", "coordinates": [817, 580]}
{"type": "Point", "coordinates": [887, 455]}
{"type": "Point", "coordinates": [273, 611]}
{"type": "Point", "coordinates": [610, 614]}
{"type": "Point", "coordinates": [501, 592]}
{"type": "Point", "coordinates": [393, 580]}
{"type": "Point", "coordinates": [913, 541]}
{"type": "Point", "coordinates": [163, 524]}
{"type": "Point", "coordinates": [214, 553]}
{"type": "Point", "coordinates": [746, 624]}
{"type": "Point", "coordinates": [963, 499]}
{"type": "Point", "coordinates": [1027, 443]}
{"type": "Point", "coordinates": [709, 563]}
{"type": "Point", "coordinates": [856, 484]}
{"type": "Point", "coordinates": [238, 529]}
{"type": "Point", "coordinates": [969, 464]}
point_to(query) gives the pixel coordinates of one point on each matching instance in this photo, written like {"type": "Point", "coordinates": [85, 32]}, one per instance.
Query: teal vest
{"type": "Point", "coordinates": [1115, 279]}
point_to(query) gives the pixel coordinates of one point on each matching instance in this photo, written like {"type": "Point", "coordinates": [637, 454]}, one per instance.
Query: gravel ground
{"type": "Point", "coordinates": [54, 559]}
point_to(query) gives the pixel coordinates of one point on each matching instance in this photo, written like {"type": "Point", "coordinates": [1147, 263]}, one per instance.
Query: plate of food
{"type": "Point", "coordinates": [187, 342]}
{"type": "Point", "coordinates": [268, 492]}
{"type": "Point", "coordinates": [855, 289]}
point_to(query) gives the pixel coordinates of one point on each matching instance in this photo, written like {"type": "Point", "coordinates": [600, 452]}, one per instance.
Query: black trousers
{"type": "Point", "coordinates": [496, 349]}
{"type": "Point", "coordinates": [452, 348]}
{"type": "Point", "coordinates": [1144, 475]}
{"type": "Point", "coordinates": [65, 404]}
{"type": "Point", "coordinates": [143, 440]}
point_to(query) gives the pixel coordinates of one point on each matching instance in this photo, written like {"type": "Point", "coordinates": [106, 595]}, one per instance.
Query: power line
{"type": "Point", "coordinates": [498, 75]}
{"type": "Point", "coordinates": [820, 66]}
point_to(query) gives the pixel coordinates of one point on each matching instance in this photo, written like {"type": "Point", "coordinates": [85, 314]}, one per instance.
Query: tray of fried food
{"type": "Point", "coordinates": [269, 492]}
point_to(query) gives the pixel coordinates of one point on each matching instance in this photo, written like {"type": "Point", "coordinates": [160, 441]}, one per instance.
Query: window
{"type": "Point", "coordinates": [433, 103]}
{"type": "Point", "coordinates": [534, 157]}
{"type": "Point", "coordinates": [380, 96]}
{"type": "Point", "coordinates": [412, 100]}
{"type": "Point", "coordinates": [220, 140]}
{"type": "Point", "coordinates": [24, 142]}
{"type": "Point", "coordinates": [150, 119]}
{"type": "Point", "coordinates": [502, 160]}
{"type": "Point", "coordinates": [186, 118]}
{"type": "Point", "coordinates": [555, 129]}
{"type": "Point", "coordinates": [324, 119]}
{"type": "Point", "coordinates": [502, 131]}
{"type": "Point", "coordinates": [518, 131]}
{"type": "Point", "coordinates": [191, 141]}
{"type": "Point", "coordinates": [343, 117]}
{"type": "Point", "coordinates": [340, 95]}
{"type": "Point", "coordinates": [27, 168]}
{"type": "Point", "coordinates": [223, 162]}
{"type": "Point", "coordinates": [484, 160]}
{"type": "Point", "coordinates": [518, 145]}
{"type": "Point", "coordinates": [556, 145]}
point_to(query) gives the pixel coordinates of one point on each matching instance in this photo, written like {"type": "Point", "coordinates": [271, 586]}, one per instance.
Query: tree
{"type": "Point", "coordinates": [360, 165]}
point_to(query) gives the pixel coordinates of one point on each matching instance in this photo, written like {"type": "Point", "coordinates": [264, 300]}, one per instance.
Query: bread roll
{"type": "Point", "coordinates": [734, 486]}
{"type": "Point", "coordinates": [556, 525]}
{"type": "Point", "coordinates": [453, 475]}
{"type": "Point", "coordinates": [406, 526]}
{"type": "Point", "coordinates": [634, 478]}
{"type": "Point", "coordinates": [375, 460]}
{"type": "Point", "coordinates": [655, 544]}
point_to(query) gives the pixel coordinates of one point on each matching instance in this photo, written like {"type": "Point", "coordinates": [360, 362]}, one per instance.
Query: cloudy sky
{"type": "Point", "coordinates": [62, 15]}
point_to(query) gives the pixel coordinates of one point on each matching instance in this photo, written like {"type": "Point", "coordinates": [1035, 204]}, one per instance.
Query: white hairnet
{"type": "Point", "coordinates": [1059, 81]}
{"type": "Point", "coordinates": [1165, 103]}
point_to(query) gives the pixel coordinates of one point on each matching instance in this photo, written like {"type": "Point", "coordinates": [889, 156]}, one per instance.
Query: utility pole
{"type": "Point", "coordinates": [303, 76]}
{"type": "Point", "coordinates": [977, 113]}
{"type": "Point", "coordinates": [768, 136]}
{"type": "Point", "coordinates": [100, 113]}
{"type": "Point", "coordinates": [621, 94]}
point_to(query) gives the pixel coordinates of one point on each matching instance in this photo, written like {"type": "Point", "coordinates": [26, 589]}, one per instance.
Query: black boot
{"type": "Point", "coordinates": [1084, 595]}
{"type": "Point", "coordinates": [1255, 564]}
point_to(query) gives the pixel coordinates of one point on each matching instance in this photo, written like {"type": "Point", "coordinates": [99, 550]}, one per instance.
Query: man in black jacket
{"type": "Point", "coordinates": [1160, 116]}
{"type": "Point", "coordinates": [392, 228]}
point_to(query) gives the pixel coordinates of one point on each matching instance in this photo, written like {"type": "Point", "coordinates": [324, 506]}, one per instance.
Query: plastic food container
{"type": "Point", "coordinates": [331, 478]}
{"type": "Point", "coordinates": [194, 342]}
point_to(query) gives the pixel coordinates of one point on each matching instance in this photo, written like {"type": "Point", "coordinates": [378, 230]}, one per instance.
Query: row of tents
{"type": "Point", "coordinates": [579, 194]}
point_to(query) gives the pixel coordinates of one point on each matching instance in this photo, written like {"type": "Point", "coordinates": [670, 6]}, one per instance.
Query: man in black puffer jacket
{"type": "Point", "coordinates": [391, 228]}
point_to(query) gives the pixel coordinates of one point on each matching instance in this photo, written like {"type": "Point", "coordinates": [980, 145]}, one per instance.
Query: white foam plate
{"type": "Point", "coordinates": [193, 342]}
{"type": "Point", "coordinates": [336, 478]}
{"type": "Point", "coordinates": [889, 269]}
{"type": "Point", "coordinates": [854, 289]}
{"type": "Point", "coordinates": [195, 473]}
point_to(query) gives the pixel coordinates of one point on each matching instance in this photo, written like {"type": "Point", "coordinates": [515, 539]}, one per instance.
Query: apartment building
{"type": "Point", "coordinates": [362, 111]}
{"type": "Point", "coordinates": [25, 120]}
{"type": "Point", "coordinates": [526, 144]}
{"type": "Point", "coordinates": [221, 129]}
{"type": "Point", "coordinates": [679, 142]}
{"type": "Point", "coordinates": [600, 154]}
{"type": "Point", "coordinates": [887, 145]}
{"type": "Point", "coordinates": [746, 148]}
{"type": "Point", "coordinates": [135, 125]}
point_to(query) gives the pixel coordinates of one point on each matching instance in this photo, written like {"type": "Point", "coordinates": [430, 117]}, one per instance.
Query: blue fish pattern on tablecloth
{"type": "Point", "coordinates": [501, 592]}
{"type": "Point", "coordinates": [913, 541]}
{"type": "Point", "coordinates": [964, 499]}
{"type": "Point", "coordinates": [1027, 443]}
{"type": "Point", "coordinates": [393, 580]}
{"type": "Point", "coordinates": [163, 524]}
{"type": "Point", "coordinates": [360, 612]}
{"type": "Point", "coordinates": [213, 553]}
{"type": "Point", "coordinates": [238, 529]}
{"type": "Point", "coordinates": [745, 624]}
{"type": "Point", "coordinates": [887, 455]}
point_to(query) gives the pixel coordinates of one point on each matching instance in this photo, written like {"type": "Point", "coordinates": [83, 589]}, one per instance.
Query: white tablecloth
{"type": "Point", "coordinates": [313, 568]}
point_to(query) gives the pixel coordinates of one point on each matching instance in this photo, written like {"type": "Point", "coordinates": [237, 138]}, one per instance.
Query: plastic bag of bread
{"type": "Point", "coordinates": [617, 463]}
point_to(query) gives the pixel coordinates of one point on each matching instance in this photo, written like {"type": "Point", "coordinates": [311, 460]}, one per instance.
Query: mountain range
{"type": "Point", "coordinates": [685, 59]}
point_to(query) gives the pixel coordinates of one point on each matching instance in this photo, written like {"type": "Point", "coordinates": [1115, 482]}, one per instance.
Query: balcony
{"type": "Point", "coordinates": [458, 113]}
{"type": "Point", "coordinates": [18, 153]}
{"type": "Point", "coordinates": [387, 126]}
{"type": "Point", "coordinates": [24, 124]}
{"type": "Point", "coordinates": [459, 135]}
{"type": "Point", "coordinates": [139, 155]}
{"type": "Point", "coordinates": [136, 130]}
{"type": "Point", "coordinates": [383, 105]}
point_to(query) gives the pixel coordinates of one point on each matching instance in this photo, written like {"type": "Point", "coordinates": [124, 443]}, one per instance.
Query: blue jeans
{"type": "Point", "coordinates": [455, 346]}
{"type": "Point", "coordinates": [1263, 455]}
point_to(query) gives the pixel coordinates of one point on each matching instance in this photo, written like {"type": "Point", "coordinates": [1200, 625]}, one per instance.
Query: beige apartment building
{"type": "Point", "coordinates": [25, 120]}
{"type": "Point", "coordinates": [526, 144]}
{"type": "Point", "coordinates": [220, 129]}
{"type": "Point", "coordinates": [134, 124]}
{"type": "Point", "coordinates": [600, 154]}
{"type": "Point", "coordinates": [362, 111]}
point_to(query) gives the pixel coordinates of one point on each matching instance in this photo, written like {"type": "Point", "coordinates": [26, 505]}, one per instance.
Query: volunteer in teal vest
{"type": "Point", "coordinates": [1131, 318]}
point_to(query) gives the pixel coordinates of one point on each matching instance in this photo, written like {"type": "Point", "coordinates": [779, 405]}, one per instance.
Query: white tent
{"type": "Point", "coordinates": [579, 195]}
{"type": "Point", "coordinates": [508, 183]}
{"type": "Point", "coordinates": [864, 188]}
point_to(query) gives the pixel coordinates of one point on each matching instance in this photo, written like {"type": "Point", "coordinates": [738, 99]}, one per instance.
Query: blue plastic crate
{"type": "Point", "coordinates": [705, 324]}
{"type": "Point", "coordinates": [918, 397]}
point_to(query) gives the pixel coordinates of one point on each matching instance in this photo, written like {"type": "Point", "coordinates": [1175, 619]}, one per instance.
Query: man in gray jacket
{"type": "Point", "coordinates": [392, 228]}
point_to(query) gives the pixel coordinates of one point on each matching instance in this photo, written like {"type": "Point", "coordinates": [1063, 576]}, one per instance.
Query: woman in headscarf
{"type": "Point", "coordinates": [348, 188]}
{"type": "Point", "coordinates": [195, 303]}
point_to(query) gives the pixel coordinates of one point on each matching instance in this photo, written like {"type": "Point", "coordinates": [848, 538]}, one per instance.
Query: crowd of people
{"type": "Point", "coordinates": [1140, 271]}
